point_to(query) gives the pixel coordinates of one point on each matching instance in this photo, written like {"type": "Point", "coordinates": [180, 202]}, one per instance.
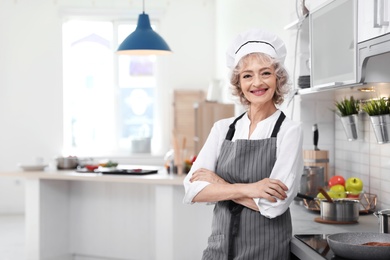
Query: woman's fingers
{"type": "Point", "coordinates": [279, 183]}
{"type": "Point", "coordinates": [206, 175]}
{"type": "Point", "coordinates": [272, 189]}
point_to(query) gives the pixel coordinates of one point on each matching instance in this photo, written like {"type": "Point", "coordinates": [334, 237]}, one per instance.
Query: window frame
{"type": "Point", "coordinates": [118, 17]}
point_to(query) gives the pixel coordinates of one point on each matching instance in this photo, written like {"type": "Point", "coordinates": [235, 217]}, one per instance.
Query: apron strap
{"type": "Point", "coordinates": [278, 124]}
{"type": "Point", "coordinates": [232, 128]}
{"type": "Point", "coordinates": [235, 211]}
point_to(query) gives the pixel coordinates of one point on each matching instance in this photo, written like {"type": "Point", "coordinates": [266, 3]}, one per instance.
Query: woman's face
{"type": "Point", "coordinates": [258, 81]}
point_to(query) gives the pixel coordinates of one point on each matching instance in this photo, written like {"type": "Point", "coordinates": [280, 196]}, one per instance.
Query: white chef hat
{"type": "Point", "coordinates": [255, 40]}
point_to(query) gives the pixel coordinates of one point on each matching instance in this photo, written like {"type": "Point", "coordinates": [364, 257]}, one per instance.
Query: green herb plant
{"type": "Point", "coordinates": [347, 107]}
{"type": "Point", "coordinates": [376, 107]}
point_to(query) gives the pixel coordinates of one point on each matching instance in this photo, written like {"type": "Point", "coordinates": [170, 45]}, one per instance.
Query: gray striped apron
{"type": "Point", "coordinates": [238, 232]}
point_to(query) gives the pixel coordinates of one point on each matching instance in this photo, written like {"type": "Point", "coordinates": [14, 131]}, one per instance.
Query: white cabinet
{"type": "Point", "coordinates": [333, 40]}
{"type": "Point", "coordinates": [373, 18]}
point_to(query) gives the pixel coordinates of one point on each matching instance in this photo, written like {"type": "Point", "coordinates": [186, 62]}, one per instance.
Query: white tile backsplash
{"type": "Point", "coordinates": [363, 158]}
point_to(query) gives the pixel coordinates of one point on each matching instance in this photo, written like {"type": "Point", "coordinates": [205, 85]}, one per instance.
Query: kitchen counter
{"type": "Point", "coordinates": [303, 223]}
{"type": "Point", "coordinates": [162, 178]}
{"type": "Point", "coordinates": [72, 215]}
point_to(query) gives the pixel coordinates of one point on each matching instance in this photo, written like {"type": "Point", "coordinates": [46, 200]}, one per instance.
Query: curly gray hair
{"type": "Point", "coordinates": [282, 77]}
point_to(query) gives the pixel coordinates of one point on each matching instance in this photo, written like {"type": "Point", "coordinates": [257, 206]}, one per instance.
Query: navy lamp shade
{"type": "Point", "coordinates": [144, 41]}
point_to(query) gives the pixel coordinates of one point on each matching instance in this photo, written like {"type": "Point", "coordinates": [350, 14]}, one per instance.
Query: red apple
{"type": "Point", "coordinates": [335, 180]}
{"type": "Point", "coordinates": [352, 196]}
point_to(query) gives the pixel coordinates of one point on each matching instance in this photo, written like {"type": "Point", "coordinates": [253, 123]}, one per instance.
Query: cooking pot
{"type": "Point", "coordinates": [350, 245]}
{"type": "Point", "coordinates": [341, 210]}
{"type": "Point", "coordinates": [312, 179]}
{"type": "Point", "coordinates": [70, 162]}
{"type": "Point", "coordinates": [384, 218]}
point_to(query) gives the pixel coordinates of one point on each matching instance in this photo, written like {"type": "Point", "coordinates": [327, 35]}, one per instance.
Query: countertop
{"type": "Point", "coordinates": [302, 218]}
{"type": "Point", "coordinates": [303, 223]}
{"type": "Point", "coordinates": [161, 178]}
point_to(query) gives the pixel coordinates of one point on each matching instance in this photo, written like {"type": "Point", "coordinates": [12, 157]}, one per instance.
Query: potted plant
{"type": "Point", "coordinates": [379, 112]}
{"type": "Point", "coordinates": [348, 110]}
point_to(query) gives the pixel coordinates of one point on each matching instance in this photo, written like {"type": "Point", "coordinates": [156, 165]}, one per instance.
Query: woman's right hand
{"type": "Point", "coordinates": [269, 189]}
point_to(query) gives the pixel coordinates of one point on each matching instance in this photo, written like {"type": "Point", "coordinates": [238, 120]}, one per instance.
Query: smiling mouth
{"type": "Point", "coordinates": [259, 91]}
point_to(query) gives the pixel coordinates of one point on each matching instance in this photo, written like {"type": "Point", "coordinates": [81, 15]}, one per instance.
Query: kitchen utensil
{"type": "Point", "coordinates": [311, 179]}
{"type": "Point", "coordinates": [317, 157]}
{"type": "Point", "coordinates": [384, 218]}
{"type": "Point", "coordinates": [65, 163]}
{"type": "Point", "coordinates": [315, 137]}
{"type": "Point", "coordinates": [350, 245]}
{"type": "Point", "coordinates": [344, 210]}
{"type": "Point", "coordinates": [33, 167]}
{"type": "Point", "coordinates": [326, 195]}
{"type": "Point", "coordinates": [303, 196]}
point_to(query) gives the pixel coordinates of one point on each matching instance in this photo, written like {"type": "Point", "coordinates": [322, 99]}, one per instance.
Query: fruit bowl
{"type": "Point", "coordinates": [367, 203]}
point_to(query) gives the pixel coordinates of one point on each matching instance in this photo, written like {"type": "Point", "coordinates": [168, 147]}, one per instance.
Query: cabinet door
{"type": "Point", "coordinates": [184, 116]}
{"type": "Point", "coordinates": [333, 44]}
{"type": "Point", "coordinates": [206, 114]}
{"type": "Point", "coordinates": [373, 18]}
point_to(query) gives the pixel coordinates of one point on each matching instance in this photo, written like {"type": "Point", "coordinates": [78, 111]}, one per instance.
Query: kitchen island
{"type": "Point", "coordinates": [85, 216]}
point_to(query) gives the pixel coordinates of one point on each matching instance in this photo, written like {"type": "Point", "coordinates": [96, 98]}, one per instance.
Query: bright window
{"type": "Point", "coordinates": [108, 99]}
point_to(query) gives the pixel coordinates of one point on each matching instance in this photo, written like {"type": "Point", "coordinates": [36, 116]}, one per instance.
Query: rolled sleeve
{"type": "Point", "coordinates": [206, 158]}
{"type": "Point", "coordinates": [288, 169]}
{"type": "Point", "coordinates": [192, 189]}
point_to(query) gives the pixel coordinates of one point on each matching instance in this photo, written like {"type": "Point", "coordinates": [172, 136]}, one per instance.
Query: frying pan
{"type": "Point", "coordinates": [349, 245]}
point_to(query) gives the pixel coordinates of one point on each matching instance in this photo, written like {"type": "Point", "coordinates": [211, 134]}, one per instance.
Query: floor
{"type": "Point", "coordinates": [12, 237]}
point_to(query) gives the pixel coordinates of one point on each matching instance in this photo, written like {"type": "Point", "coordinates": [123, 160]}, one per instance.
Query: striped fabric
{"type": "Point", "coordinates": [247, 161]}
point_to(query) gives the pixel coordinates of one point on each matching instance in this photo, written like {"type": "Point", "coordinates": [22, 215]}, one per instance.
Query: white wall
{"type": "Point", "coordinates": [234, 17]}
{"type": "Point", "coordinates": [31, 64]}
{"type": "Point", "coordinates": [31, 71]}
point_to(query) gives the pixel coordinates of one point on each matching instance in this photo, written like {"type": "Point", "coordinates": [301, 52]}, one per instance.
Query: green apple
{"type": "Point", "coordinates": [320, 196]}
{"type": "Point", "coordinates": [354, 185]}
{"type": "Point", "coordinates": [337, 192]}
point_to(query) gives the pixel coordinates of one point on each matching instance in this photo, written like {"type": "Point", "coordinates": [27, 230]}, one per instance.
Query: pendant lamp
{"type": "Point", "coordinates": [144, 41]}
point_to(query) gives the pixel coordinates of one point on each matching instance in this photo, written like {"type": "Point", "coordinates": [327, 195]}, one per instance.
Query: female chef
{"type": "Point", "coordinates": [250, 166]}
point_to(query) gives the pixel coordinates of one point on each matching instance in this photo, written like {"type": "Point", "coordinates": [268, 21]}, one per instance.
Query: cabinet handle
{"type": "Point", "coordinates": [379, 10]}
{"type": "Point", "coordinates": [383, 11]}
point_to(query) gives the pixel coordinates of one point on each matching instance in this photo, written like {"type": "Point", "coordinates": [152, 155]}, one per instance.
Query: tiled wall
{"type": "Point", "coordinates": [363, 158]}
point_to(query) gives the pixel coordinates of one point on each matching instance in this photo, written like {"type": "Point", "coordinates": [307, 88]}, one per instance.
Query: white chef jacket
{"type": "Point", "coordinates": [288, 167]}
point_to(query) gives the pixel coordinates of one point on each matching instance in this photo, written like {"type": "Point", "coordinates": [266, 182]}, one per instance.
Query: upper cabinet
{"type": "Point", "coordinates": [333, 42]}
{"type": "Point", "coordinates": [373, 18]}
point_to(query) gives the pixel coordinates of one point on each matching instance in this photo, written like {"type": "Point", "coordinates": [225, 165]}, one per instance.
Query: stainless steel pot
{"type": "Point", "coordinates": [312, 179]}
{"type": "Point", "coordinates": [64, 163]}
{"type": "Point", "coordinates": [343, 210]}
{"type": "Point", "coordinates": [384, 219]}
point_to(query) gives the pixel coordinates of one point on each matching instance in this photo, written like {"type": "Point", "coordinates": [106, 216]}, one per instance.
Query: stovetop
{"type": "Point", "coordinates": [319, 244]}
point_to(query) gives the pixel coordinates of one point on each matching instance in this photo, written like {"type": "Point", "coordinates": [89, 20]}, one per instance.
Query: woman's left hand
{"type": "Point", "coordinates": [207, 175]}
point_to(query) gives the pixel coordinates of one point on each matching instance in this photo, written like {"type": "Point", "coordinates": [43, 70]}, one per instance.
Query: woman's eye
{"type": "Point", "coordinates": [266, 74]}
{"type": "Point", "coordinates": [245, 76]}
